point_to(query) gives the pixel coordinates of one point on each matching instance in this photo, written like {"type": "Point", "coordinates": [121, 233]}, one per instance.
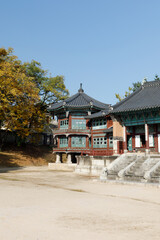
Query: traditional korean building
{"type": "Point", "coordinates": [139, 116]}
{"type": "Point", "coordinates": [84, 127]}
{"type": "Point", "coordinates": [101, 133]}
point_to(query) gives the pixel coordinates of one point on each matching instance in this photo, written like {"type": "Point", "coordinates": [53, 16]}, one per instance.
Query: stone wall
{"type": "Point", "coordinates": [90, 165]}
{"type": "Point", "coordinates": [117, 130]}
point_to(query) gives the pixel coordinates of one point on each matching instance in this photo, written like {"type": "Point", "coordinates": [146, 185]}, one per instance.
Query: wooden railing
{"type": "Point", "coordinates": [90, 152]}
{"type": "Point", "coordinates": [99, 152]}
{"type": "Point", "coordinates": [72, 131]}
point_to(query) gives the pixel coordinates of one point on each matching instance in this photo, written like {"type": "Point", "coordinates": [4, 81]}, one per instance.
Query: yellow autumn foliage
{"type": "Point", "coordinates": [20, 110]}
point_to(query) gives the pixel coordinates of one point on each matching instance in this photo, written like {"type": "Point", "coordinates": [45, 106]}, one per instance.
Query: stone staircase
{"type": "Point", "coordinates": [120, 163]}
{"type": "Point", "coordinates": [134, 167]}
{"type": "Point", "coordinates": [155, 173]}
{"type": "Point", "coordinates": [133, 173]}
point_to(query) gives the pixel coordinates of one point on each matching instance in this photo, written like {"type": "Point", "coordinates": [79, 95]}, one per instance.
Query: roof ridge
{"type": "Point", "coordinates": [85, 96]}
{"type": "Point", "coordinates": [69, 99]}
{"type": "Point", "coordinates": [95, 100]}
{"type": "Point", "coordinates": [152, 83]}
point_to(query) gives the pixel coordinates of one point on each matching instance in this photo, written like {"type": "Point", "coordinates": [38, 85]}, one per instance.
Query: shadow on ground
{"type": "Point", "coordinates": [7, 160]}
{"type": "Point", "coordinates": [7, 163]}
{"type": "Point", "coordinates": [32, 152]}
{"type": "Point", "coordinates": [24, 156]}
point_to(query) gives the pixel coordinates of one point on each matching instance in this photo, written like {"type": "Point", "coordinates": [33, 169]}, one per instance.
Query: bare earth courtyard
{"type": "Point", "coordinates": [39, 204]}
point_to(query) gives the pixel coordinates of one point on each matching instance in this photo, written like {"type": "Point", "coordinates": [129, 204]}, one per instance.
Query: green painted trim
{"type": "Point", "coordinates": [63, 145]}
{"type": "Point", "coordinates": [75, 117]}
{"type": "Point", "coordinates": [100, 134]}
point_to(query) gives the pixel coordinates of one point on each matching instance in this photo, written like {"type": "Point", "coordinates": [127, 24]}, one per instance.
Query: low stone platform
{"type": "Point", "coordinates": [93, 165]}
{"type": "Point", "coordinates": [62, 167]}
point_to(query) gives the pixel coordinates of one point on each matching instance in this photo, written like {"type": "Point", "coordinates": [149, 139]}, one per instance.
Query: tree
{"type": "Point", "coordinates": [19, 98]}
{"type": "Point", "coordinates": [51, 89]}
{"type": "Point", "coordinates": [156, 78]}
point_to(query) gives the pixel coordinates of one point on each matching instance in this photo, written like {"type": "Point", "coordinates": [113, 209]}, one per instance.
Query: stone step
{"type": "Point", "coordinates": [158, 170]}
{"type": "Point", "coordinates": [133, 178]}
{"type": "Point", "coordinates": [155, 175]}
{"type": "Point", "coordinates": [111, 177]}
{"type": "Point", "coordinates": [154, 180]}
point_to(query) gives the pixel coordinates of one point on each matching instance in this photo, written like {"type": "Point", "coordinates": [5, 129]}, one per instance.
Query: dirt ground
{"type": "Point", "coordinates": [28, 155]}
{"type": "Point", "coordinates": [40, 204]}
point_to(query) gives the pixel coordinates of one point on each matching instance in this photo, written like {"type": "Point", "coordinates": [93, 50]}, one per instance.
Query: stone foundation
{"type": "Point", "coordinates": [93, 166]}
{"type": "Point", "coordinates": [62, 167]}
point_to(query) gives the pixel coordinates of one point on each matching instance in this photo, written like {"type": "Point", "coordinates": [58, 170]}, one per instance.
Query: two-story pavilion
{"type": "Point", "coordinates": [101, 133]}
{"type": "Point", "coordinates": [74, 134]}
{"type": "Point", "coordinates": [139, 115]}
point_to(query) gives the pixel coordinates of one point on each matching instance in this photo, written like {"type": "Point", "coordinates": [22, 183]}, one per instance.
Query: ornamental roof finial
{"type": "Point", "coordinates": [80, 90]}
{"type": "Point", "coordinates": [144, 81]}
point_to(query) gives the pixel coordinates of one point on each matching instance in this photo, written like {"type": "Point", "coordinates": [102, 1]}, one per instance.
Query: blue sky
{"type": "Point", "coordinates": [104, 44]}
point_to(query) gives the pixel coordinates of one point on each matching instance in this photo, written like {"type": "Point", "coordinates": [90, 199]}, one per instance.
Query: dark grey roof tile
{"type": "Point", "coordinates": [79, 100]}
{"type": "Point", "coordinates": [146, 97]}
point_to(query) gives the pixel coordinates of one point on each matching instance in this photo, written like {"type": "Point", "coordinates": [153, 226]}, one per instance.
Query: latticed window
{"type": "Point", "coordinates": [78, 141]}
{"type": "Point", "coordinates": [63, 142]}
{"type": "Point", "coordinates": [64, 124]}
{"type": "Point", "coordinates": [110, 141]}
{"type": "Point", "coordinates": [100, 142]}
{"type": "Point", "coordinates": [99, 123]}
{"type": "Point", "coordinates": [78, 124]}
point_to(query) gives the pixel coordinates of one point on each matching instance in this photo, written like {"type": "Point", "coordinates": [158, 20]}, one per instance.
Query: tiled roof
{"type": "Point", "coordinates": [79, 100]}
{"type": "Point", "coordinates": [108, 130]}
{"type": "Point", "coordinates": [145, 97]}
{"type": "Point", "coordinates": [101, 113]}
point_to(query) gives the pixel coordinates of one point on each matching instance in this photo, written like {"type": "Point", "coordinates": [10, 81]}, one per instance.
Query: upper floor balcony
{"type": "Point", "coordinates": [72, 131]}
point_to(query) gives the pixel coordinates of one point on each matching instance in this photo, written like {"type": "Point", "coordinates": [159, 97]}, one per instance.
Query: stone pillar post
{"type": "Point", "coordinates": [147, 137]}
{"type": "Point", "coordinates": [58, 158]}
{"type": "Point", "coordinates": [115, 146]}
{"type": "Point", "coordinates": [133, 139]}
{"type": "Point", "coordinates": [125, 139]}
{"type": "Point", "coordinates": [156, 137]}
{"type": "Point", "coordinates": [69, 158]}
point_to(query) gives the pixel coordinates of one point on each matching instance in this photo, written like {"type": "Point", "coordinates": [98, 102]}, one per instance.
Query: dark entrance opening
{"type": "Point", "coordinates": [73, 157]}
{"type": "Point", "coordinates": [143, 141]}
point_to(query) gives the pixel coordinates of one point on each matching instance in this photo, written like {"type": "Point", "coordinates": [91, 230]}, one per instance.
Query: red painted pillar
{"type": "Point", "coordinates": [58, 123]}
{"type": "Point", "coordinates": [87, 122]}
{"type": "Point", "coordinates": [69, 141]}
{"type": "Point", "coordinates": [70, 122]}
{"type": "Point", "coordinates": [107, 142]}
{"type": "Point", "coordinates": [92, 142]}
{"type": "Point", "coordinates": [87, 142]}
{"type": "Point", "coordinates": [58, 142]}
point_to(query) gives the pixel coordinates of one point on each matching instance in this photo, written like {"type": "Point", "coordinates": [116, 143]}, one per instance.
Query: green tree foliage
{"type": "Point", "coordinates": [156, 78]}
{"type": "Point", "coordinates": [134, 87]}
{"type": "Point", "coordinates": [51, 89]}
{"type": "Point", "coordinates": [127, 93]}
